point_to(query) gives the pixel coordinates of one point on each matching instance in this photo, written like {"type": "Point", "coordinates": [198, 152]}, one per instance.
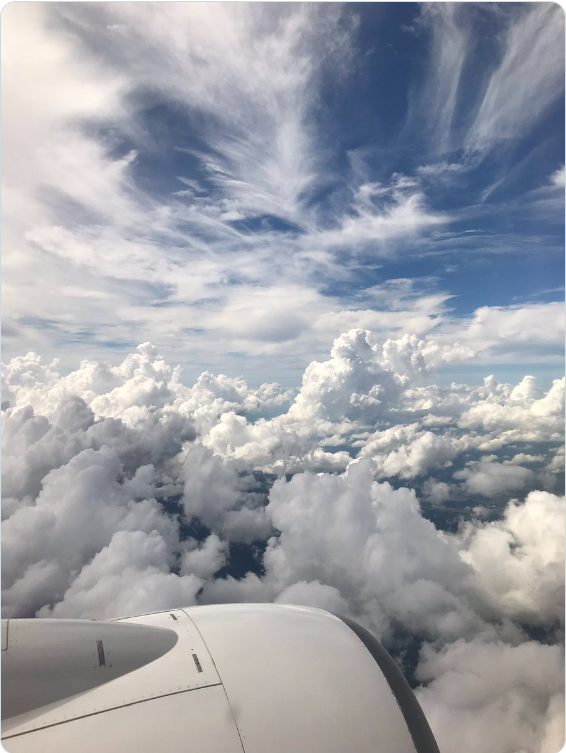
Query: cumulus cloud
{"type": "Point", "coordinates": [125, 490]}
{"type": "Point", "coordinates": [205, 560]}
{"type": "Point", "coordinates": [519, 559]}
{"type": "Point", "coordinates": [314, 594]}
{"type": "Point", "coordinates": [407, 452]}
{"type": "Point", "coordinates": [213, 493]}
{"type": "Point", "coordinates": [491, 479]}
{"type": "Point", "coordinates": [509, 697]}
{"type": "Point", "coordinates": [371, 543]}
{"type": "Point", "coordinates": [123, 577]}
{"type": "Point", "coordinates": [508, 332]}
{"type": "Point", "coordinates": [522, 412]}
{"type": "Point", "coordinates": [363, 379]}
{"type": "Point", "coordinates": [436, 491]}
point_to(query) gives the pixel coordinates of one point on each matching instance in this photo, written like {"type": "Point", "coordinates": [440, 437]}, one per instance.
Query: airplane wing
{"type": "Point", "coordinates": [242, 678]}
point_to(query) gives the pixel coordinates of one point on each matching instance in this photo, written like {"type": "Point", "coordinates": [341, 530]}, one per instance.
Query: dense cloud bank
{"type": "Point", "coordinates": [431, 515]}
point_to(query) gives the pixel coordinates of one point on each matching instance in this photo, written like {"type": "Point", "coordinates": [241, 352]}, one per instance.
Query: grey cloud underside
{"type": "Point", "coordinates": [125, 491]}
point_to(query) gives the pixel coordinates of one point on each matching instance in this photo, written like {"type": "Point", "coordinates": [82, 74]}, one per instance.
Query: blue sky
{"type": "Point", "coordinates": [241, 183]}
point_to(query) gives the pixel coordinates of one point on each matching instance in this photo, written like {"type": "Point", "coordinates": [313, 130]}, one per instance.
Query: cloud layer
{"type": "Point", "coordinates": [431, 515]}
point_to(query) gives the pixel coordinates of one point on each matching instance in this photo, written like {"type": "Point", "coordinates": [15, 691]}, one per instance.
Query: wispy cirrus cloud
{"type": "Point", "coordinates": [472, 103]}
{"type": "Point", "coordinates": [251, 76]}
{"type": "Point", "coordinates": [433, 106]}
{"type": "Point", "coordinates": [256, 158]}
{"type": "Point", "coordinates": [527, 81]}
{"type": "Point", "coordinates": [191, 187]}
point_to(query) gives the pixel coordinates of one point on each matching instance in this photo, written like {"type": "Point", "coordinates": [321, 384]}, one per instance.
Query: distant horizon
{"type": "Point", "coordinates": [460, 373]}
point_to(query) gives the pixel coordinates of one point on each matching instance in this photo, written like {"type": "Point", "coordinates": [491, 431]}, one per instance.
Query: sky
{"type": "Point", "coordinates": [241, 183]}
{"type": "Point", "coordinates": [283, 321]}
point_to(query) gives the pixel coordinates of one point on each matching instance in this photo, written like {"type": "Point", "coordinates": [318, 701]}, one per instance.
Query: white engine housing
{"type": "Point", "coordinates": [252, 678]}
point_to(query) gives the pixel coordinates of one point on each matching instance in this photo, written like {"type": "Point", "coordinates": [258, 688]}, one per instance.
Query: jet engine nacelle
{"type": "Point", "coordinates": [252, 678]}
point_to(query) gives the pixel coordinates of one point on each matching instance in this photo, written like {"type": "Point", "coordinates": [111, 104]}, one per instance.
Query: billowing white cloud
{"type": "Point", "coordinates": [518, 332]}
{"type": "Point", "coordinates": [204, 560]}
{"type": "Point", "coordinates": [436, 491]}
{"type": "Point", "coordinates": [363, 378]}
{"type": "Point", "coordinates": [519, 559]}
{"type": "Point", "coordinates": [314, 594]}
{"type": "Point", "coordinates": [491, 479]}
{"type": "Point", "coordinates": [78, 510]}
{"type": "Point", "coordinates": [126, 490]}
{"type": "Point", "coordinates": [213, 493]}
{"type": "Point", "coordinates": [521, 413]}
{"type": "Point", "coordinates": [511, 697]}
{"type": "Point", "coordinates": [132, 571]}
{"type": "Point", "coordinates": [407, 452]}
{"type": "Point", "coordinates": [371, 543]}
